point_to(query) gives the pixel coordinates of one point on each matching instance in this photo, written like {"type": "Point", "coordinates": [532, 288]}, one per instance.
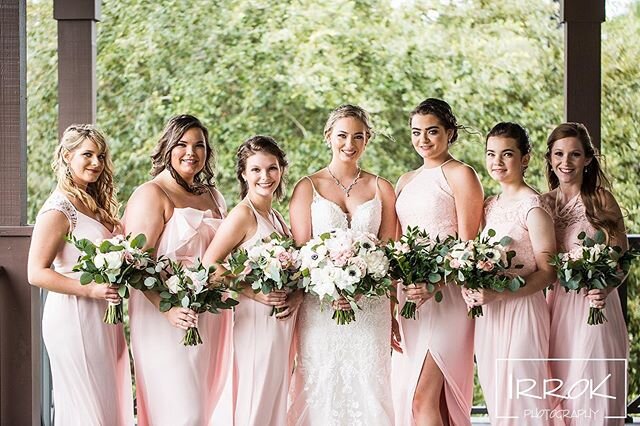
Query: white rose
{"type": "Point", "coordinates": [198, 281]}
{"type": "Point", "coordinates": [109, 261]}
{"type": "Point", "coordinates": [173, 283]}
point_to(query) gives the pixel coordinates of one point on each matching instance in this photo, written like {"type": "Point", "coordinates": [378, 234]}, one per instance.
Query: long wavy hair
{"type": "Point", "coordinates": [176, 127]}
{"type": "Point", "coordinates": [100, 196]}
{"type": "Point", "coordinates": [594, 181]}
{"type": "Point", "coordinates": [250, 147]}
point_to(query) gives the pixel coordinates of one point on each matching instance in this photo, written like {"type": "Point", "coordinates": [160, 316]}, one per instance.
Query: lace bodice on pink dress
{"type": "Point", "coordinates": [573, 338]}
{"type": "Point", "coordinates": [162, 363]}
{"type": "Point", "coordinates": [343, 371]}
{"type": "Point", "coordinates": [89, 359]}
{"type": "Point", "coordinates": [515, 328]}
{"type": "Point", "coordinates": [441, 329]}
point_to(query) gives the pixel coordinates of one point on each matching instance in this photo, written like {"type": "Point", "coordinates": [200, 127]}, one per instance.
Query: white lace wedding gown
{"type": "Point", "coordinates": [343, 372]}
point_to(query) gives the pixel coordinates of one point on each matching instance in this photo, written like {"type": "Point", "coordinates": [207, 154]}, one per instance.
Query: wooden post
{"type": "Point", "coordinates": [19, 303]}
{"type": "Point", "coordinates": [76, 60]}
{"type": "Point", "coordinates": [582, 76]}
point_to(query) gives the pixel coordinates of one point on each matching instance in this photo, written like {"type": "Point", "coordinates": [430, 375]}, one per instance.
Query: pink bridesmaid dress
{"type": "Point", "coordinates": [176, 384]}
{"type": "Point", "coordinates": [514, 329]}
{"type": "Point", "coordinates": [262, 347]}
{"type": "Point", "coordinates": [440, 329]}
{"type": "Point", "coordinates": [572, 338]}
{"type": "Point", "coordinates": [89, 359]}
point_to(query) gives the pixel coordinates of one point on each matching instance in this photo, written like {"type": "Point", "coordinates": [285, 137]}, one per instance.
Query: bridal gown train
{"type": "Point", "coordinates": [343, 372]}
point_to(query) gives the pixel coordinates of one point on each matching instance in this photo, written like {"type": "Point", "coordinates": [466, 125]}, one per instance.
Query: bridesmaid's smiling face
{"type": "Point", "coordinates": [568, 160]}
{"type": "Point", "coordinates": [348, 139]}
{"type": "Point", "coordinates": [189, 154]}
{"type": "Point", "coordinates": [262, 174]}
{"type": "Point", "coordinates": [86, 163]}
{"type": "Point", "coordinates": [505, 163]}
{"type": "Point", "coordinates": [429, 137]}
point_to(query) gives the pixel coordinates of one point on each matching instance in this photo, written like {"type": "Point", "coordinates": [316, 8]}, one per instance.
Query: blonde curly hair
{"type": "Point", "coordinates": [100, 196]}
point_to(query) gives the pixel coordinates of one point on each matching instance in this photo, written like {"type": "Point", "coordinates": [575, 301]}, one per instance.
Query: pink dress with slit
{"type": "Point", "coordinates": [176, 384]}
{"type": "Point", "coordinates": [89, 359]}
{"type": "Point", "coordinates": [262, 347]}
{"type": "Point", "coordinates": [595, 350]}
{"type": "Point", "coordinates": [440, 329]}
{"type": "Point", "coordinates": [512, 336]}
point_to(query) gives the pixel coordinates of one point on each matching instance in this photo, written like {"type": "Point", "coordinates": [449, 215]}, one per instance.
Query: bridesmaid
{"type": "Point", "coordinates": [179, 211]}
{"type": "Point", "coordinates": [580, 202]}
{"type": "Point", "coordinates": [433, 377]}
{"type": "Point", "coordinates": [89, 359]}
{"type": "Point", "coordinates": [515, 324]}
{"type": "Point", "coordinates": [262, 344]}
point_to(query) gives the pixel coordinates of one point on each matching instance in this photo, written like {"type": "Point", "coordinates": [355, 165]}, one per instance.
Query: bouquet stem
{"type": "Point", "coordinates": [344, 317]}
{"type": "Point", "coordinates": [113, 314]}
{"type": "Point", "coordinates": [276, 310]}
{"type": "Point", "coordinates": [192, 337]}
{"type": "Point", "coordinates": [596, 316]}
{"type": "Point", "coordinates": [475, 312]}
{"type": "Point", "coordinates": [409, 310]}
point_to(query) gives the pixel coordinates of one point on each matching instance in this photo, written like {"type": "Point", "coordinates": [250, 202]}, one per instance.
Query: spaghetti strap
{"type": "Point", "coordinates": [215, 201]}
{"type": "Point", "coordinates": [315, 191]}
{"type": "Point", "coordinates": [165, 193]}
{"type": "Point", "coordinates": [377, 187]}
{"type": "Point", "coordinates": [450, 159]}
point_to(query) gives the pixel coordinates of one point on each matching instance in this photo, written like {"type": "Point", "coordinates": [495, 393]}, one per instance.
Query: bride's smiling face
{"type": "Point", "coordinates": [348, 139]}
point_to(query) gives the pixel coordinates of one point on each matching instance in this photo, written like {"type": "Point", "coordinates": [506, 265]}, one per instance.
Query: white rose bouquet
{"type": "Point", "coordinates": [418, 258]}
{"type": "Point", "coordinates": [344, 264]}
{"type": "Point", "coordinates": [483, 264]}
{"type": "Point", "coordinates": [270, 265]}
{"type": "Point", "coordinates": [592, 265]}
{"type": "Point", "coordinates": [189, 287]}
{"type": "Point", "coordinates": [118, 262]}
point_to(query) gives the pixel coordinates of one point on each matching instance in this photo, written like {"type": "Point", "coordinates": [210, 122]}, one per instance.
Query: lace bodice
{"type": "Point", "coordinates": [569, 221]}
{"type": "Point", "coordinates": [343, 374]}
{"type": "Point", "coordinates": [427, 201]}
{"type": "Point", "coordinates": [510, 219]}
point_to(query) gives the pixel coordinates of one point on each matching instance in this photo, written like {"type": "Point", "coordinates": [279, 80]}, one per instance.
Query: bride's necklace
{"type": "Point", "coordinates": [345, 189]}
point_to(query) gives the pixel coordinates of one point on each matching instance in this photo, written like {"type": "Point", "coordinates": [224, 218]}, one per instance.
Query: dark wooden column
{"type": "Point", "coordinates": [76, 60]}
{"type": "Point", "coordinates": [582, 75]}
{"type": "Point", "coordinates": [19, 303]}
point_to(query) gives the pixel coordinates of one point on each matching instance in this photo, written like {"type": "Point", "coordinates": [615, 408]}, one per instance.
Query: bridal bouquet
{"type": "Point", "coordinates": [592, 265]}
{"type": "Point", "coordinates": [118, 262]}
{"type": "Point", "coordinates": [417, 258]}
{"type": "Point", "coordinates": [483, 264]}
{"type": "Point", "coordinates": [272, 264]}
{"type": "Point", "coordinates": [188, 287]}
{"type": "Point", "coordinates": [344, 264]}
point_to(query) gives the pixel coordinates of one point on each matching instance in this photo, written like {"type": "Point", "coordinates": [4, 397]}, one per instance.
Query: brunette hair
{"type": "Point", "coordinates": [100, 196]}
{"type": "Point", "coordinates": [348, 110]}
{"type": "Point", "coordinates": [442, 111]}
{"type": "Point", "coordinates": [513, 131]}
{"type": "Point", "coordinates": [252, 146]}
{"type": "Point", "coordinates": [594, 181]}
{"type": "Point", "coordinates": [176, 127]}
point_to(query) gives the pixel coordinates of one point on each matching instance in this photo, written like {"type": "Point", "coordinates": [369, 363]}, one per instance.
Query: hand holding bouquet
{"type": "Point", "coordinates": [417, 258]}
{"type": "Point", "coordinates": [344, 264]}
{"type": "Point", "coordinates": [270, 265]}
{"type": "Point", "coordinates": [188, 287]}
{"type": "Point", "coordinates": [118, 262]}
{"type": "Point", "coordinates": [483, 264]}
{"type": "Point", "coordinates": [592, 265]}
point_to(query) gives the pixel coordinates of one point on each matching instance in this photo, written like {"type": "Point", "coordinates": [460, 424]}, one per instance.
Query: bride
{"type": "Point", "coordinates": [343, 371]}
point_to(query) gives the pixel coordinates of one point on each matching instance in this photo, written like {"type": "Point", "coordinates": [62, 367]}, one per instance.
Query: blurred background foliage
{"type": "Point", "coordinates": [278, 67]}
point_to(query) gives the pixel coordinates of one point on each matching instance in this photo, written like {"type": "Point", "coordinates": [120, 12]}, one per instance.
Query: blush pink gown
{"type": "Point", "coordinates": [262, 361]}
{"type": "Point", "coordinates": [441, 329]}
{"type": "Point", "coordinates": [516, 328]}
{"type": "Point", "coordinates": [176, 384]}
{"type": "Point", "coordinates": [572, 338]}
{"type": "Point", "coordinates": [89, 359]}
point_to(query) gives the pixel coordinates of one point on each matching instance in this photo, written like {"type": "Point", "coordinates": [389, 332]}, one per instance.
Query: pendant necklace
{"type": "Point", "coordinates": [345, 189]}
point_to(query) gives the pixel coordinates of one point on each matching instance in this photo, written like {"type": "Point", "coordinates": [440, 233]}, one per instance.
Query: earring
{"type": "Point", "coordinates": [67, 172]}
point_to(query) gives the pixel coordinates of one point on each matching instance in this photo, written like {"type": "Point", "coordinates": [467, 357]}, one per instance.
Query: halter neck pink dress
{"type": "Point", "coordinates": [593, 349]}
{"type": "Point", "coordinates": [514, 329]}
{"type": "Point", "coordinates": [175, 384]}
{"type": "Point", "coordinates": [262, 361]}
{"type": "Point", "coordinates": [441, 329]}
{"type": "Point", "coordinates": [89, 359]}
